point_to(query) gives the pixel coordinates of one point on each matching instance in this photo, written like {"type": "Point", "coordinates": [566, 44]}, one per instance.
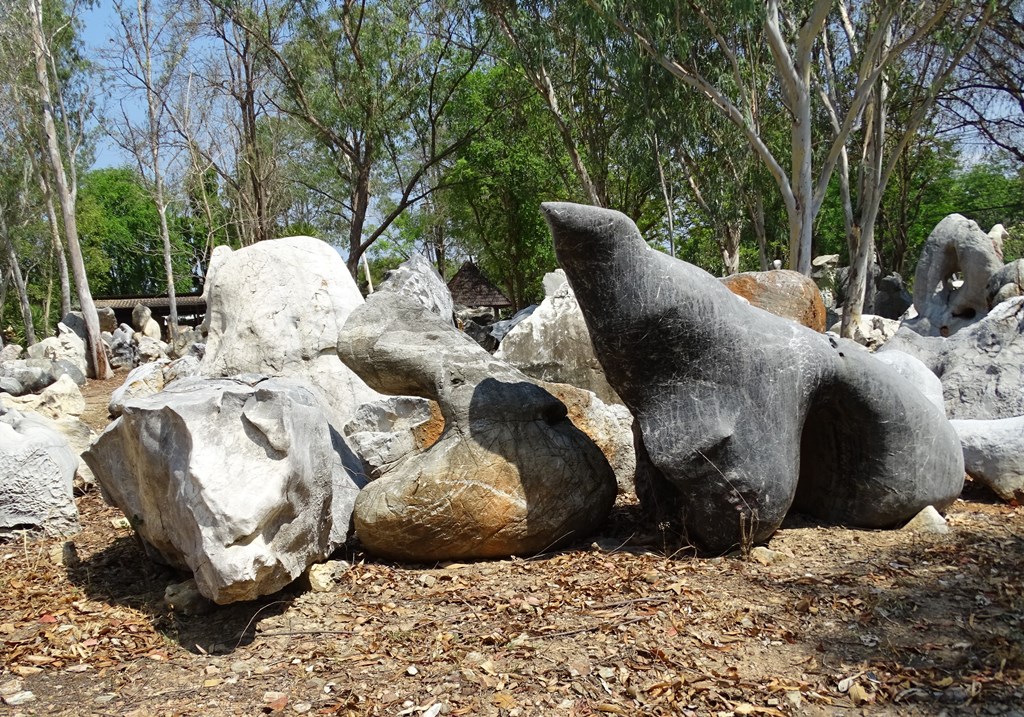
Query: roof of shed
{"type": "Point", "coordinates": [470, 287]}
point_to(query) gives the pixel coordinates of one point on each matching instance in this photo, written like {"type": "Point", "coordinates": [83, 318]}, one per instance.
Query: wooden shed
{"type": "Point", "coordinates": [470, 287]}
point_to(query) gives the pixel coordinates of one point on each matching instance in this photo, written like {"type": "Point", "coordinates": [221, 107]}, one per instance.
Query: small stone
{"type": "Point", "coordinates": [412, 671]}
{"type": "Point", "coordinates": [104, 699]}
{"type": "Point", "coordinates": [302, 707]}
{"type": "Point", "coordinates": [428, 580]}
{"type": "Point", "coordinates": [794, 699]}
{"type": "Point", "coordinates": [184, 598]}
{"type": "Point", "coordinates": [275, 700]}
{"type": "Point", "coordinates": [19, 698]}
{"type": "Point", "coordinates": [928, 521]}
{"type": "Point", "coordinates": [321, 578]}
{"type": "Point", "coordinates": [767, 556]}
{"type": "Point", "coordinates": [10, 687]}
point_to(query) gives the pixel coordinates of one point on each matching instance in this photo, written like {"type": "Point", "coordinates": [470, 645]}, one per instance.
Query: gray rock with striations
{"type": "Point", "coordinates": [37, 471]}
{"type": "Point", "coordinates": [241, 481]}
{"type": "Point", "coordinates": [509, 475]}
{"type": "Point", "coordinates": [981, 367]}
{"type": "Point", "coordinates": [742, 414]}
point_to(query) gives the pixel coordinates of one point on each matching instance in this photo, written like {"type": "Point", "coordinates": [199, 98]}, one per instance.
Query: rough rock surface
{"type": "Point", "coordinates": [124, 350]}
{"type": "Point", "coordinates": [76, 322]}
{"type": "Point", "coordinates": [552, 344]}
{"type": "Point", "coordinates": [240, 482]}
{"type": "Point", "coordinates": [11, 352]}
{"type": "Point", "coordinates": [784, 293]}
{"type": "Point", "coordinates": [384, 431]}
{"type": "Point", "coordinates": [509, 475]}
{"type": "Point", "coordinates": [37, 470]}
{"type": "Point", "coordinates": [741, 414]}
{"type": "Point", "coordinates": [994, 454]}
{"type": "Point", "coordinates": [60, 398]}
{"type": "Point", "coordinates": [916, 373]}
{"type": "Point", "coordinates": [1006, 283]}
{"type": "Point", "coordinates": [956, 245]}
{"type": "Point", "coordinates": [65, 346]}
{"type": "Point", "coordinates": [871, 331]}
{"type": "Point", "coordinates": [981, 367]}
{"type": "Point", "coordinates": [418, 279]}
{"type": "Point", "coordinates": [276, 308]}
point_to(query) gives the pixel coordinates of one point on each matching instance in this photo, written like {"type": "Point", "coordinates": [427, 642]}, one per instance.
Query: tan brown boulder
{"type": "Point", "coordinates": [785, 293]}
{"type": "Point", "coordinates": [509, 475]}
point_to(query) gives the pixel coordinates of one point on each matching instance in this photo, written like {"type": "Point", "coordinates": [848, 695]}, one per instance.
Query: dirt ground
{"type": "Point", "coordinates": [838, 622]}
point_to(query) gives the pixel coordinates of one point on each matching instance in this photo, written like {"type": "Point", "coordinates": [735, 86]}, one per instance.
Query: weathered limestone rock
{"type": "Point", "coordinates": [124, 350]}
{"type": "Point", "coordinates": [994, 454]}
{"type": "Point", "coordinates": [240, 482]}
{"type": "Point", "coordinates": [552, 344]}
{"type": "Point", "coordinates": [981, 367]}
{"type": "Point", "coordinates": [66, 346]}
{"type": "Point", "coordinates": [509, 475]}
{"type": "Point", "coordinates": [144, 323]}
{"type": "Point", "coordinates": [384, 431]}
{"type": "Point", "coordinates": [60, 398]}
{"type": "Point", "coordinates": [956, 245]}
{"type": "Point", "coordinates": [418, 279]}
{"type": "Point", "coordinates": [143, 380]}
{"type": "Point", "coordinates": [30, 375]}
{"type": "Point", "coordinates": [76, 322]}
{"type": "Point", "coordinates": [1006, 283]}
{"type": "Point", "coordinates": [892, 299]}
{"type": "Point", "coordinates": [37, 470]}
{"type": "Point", "coordinates": [928, 521]}
{"type": "Point", "coordinates": [741, 414]}
{"type": "Point", "coordinates": [784, 293]}
{"type": "Point", "coordinates": [150, 349]}
{"type": "Point", "coordinates": [608, 425]}
{"type": "Point", "coordinates": [11, 352]}
{"type": "Point", "coordinates": [276, 308]}
{"type": "Point", "coordinates": [871, 331]}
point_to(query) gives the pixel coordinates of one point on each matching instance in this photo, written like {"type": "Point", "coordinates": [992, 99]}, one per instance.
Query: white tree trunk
{"type": "Point", "coordinates": [95, 349]}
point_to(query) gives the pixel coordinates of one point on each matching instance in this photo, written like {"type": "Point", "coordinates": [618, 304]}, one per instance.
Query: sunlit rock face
{"type": "Point", "coordinates": [742, 414]}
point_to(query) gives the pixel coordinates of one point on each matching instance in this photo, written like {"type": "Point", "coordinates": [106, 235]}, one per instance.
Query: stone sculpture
{"type": "Point", "coordinates": [509, 475]}
{"type": "Point", "coordinates": [276, 308]}
{"type": "Point", "coordinates": [240, 481]}
{"type": "Point", "coordinates": [956, 245]}
{"type": "Point", "coordinates": [144, 323]}
{"type": "Point", "coordinates": [741, 414]}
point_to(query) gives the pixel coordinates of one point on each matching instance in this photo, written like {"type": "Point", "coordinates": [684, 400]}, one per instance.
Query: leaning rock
{"type": "Point", "coordinates": [785, 293]}
{"type": "Point", "coordinates": [241, 483]}
{"type": "Point", "coordinates": [741, 414]}
{"type": "Point", "coordinates": [981, 367]}
{"type": "Point", "coordinates": [552, 344]}
{"type": "Point", "coordinates": [956, 245]}
{"type": "Point", "coordinates": [509, 475]}
{"type": "Point", "coordinates": [276, 308]}
{"type": "Point", "coordinates": [37, 470]}
{"type": "Point", "coordinates": [994, 454]}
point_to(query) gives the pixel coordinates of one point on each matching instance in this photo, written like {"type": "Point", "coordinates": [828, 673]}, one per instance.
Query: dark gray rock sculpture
{"type": "Point", "coordinates": [740, 413]}
{"type": "Point", "coordinates": [509, 475]}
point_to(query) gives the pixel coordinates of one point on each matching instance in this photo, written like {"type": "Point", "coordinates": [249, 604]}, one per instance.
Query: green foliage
{"type": "Point", "coordinates": [119, 230]}
{"type": "Point", "coordinates": [499, 181]}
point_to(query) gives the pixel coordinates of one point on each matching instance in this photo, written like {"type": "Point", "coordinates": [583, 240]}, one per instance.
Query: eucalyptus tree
{"type": "Point", "coordinates": [372, 83]}
{"type": "Point", "coordinates": [61, 152]}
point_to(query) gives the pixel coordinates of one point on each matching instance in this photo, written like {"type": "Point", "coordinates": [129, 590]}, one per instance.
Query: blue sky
{"type": "Point", "coordinates": [98, 25]}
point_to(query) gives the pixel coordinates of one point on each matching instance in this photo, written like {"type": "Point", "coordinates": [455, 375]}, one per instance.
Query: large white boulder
{"type": "Point", "coordinates": [242, 483]}
{"type": "Point", "coordinates": [994, 454]}
{"type": "Point", "coordinates": [37, 470]}
{"type": "Point", "coordinates": [553, 344]}
{"type": "Point", "coordinates": [276, 308]}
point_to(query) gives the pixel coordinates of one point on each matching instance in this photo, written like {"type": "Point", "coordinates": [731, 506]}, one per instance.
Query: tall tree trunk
{"type": "Point", "coordinates": [730, 246]}
{"type": "Point", "coordinates": [360, 205]}
{"type": "Point", "coordinates": [19, 283]}
{"type": "Point", "coordinates": [757, 212]}
{"type": "Point", "coordinates": [95, 349]}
